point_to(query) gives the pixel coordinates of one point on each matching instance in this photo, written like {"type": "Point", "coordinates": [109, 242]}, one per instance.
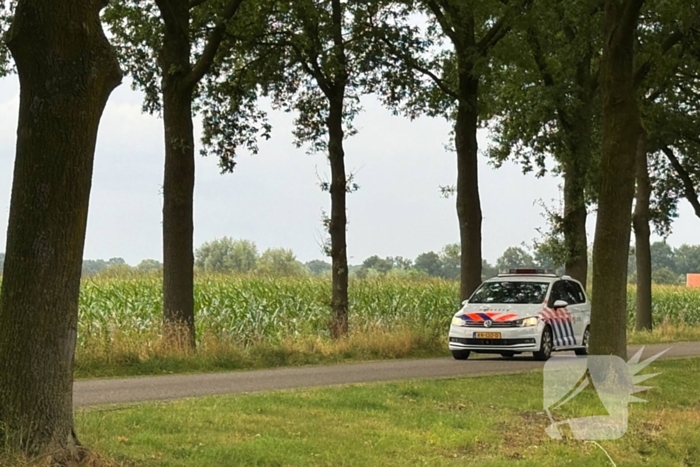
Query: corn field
{"type": "Point", "coordinates": [250, 309]}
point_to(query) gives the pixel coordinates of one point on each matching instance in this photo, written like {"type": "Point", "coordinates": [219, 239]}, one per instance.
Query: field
{"type": "Point", "coordinates": [449, 422]}
{"type": "Point", "coordinates": [250, 309]}
{"type": "Point", "coordinates": [255, 322]}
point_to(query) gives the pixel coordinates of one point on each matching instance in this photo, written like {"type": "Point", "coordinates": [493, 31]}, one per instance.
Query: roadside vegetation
{"type": "Point", "coordinates": [611, 109]}
{"type": "Point", "coordinates": [251, 321]}
{"type": "Point", "coordinates": [436, 423]}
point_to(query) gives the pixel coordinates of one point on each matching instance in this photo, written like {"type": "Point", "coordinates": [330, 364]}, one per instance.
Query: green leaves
{"type": "Point", "coordinates": [136, 32]}
{"type": "Point", "coordinates": [225, 91]}
{"type": "Point", "coordinates": [6, 12]}
{"type": "Point", "coordinates": [545, 79]}
{"type": "Point", "coordinates": [668, 79]}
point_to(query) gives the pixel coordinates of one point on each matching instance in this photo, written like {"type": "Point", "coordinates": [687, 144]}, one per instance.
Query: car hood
{"type": "Point", "coordinates": [498, 311]}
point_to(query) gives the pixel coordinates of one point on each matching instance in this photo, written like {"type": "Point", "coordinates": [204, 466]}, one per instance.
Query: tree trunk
{"type": "Point", "coordinates": [576, 179]}
{"type": "Point", "coordinates": [621, 127]}
{"type": "Point", "coordinates": [641, 234]}
{"type": "Point", "coordinates": [67, 70]}
{"type": "Point", "coordinates": [338, 222]}
{"type": "Point", "coordinates": [178, 184]}
{"type": "Point", "coordinates": [574, 225]}
{"type": "Point", "coordinates": [468, 201]}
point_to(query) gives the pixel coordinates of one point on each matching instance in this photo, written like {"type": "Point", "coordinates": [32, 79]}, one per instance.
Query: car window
{"type": "Point", "coordinates": [558, 293]}
{"type": "Point", "coordinates": [510, 292]}
{"type": "Point", "coordinates": [576, 291]}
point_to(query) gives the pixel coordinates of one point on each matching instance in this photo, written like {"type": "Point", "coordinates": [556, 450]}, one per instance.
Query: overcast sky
{"type": "Point", "coordinates": [274, 198]}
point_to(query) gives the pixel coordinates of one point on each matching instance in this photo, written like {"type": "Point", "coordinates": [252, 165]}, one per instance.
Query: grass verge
{"type": "Point", "coordinates": [126, 355]}
{"type": "Point", "coordinates": [665, 332]}
{"type": "Point", "coordinates": [481, 421]}
{"type": "Point", "coordinates": [90, 459]}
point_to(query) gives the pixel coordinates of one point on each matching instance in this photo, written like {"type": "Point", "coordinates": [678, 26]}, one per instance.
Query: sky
{"type": "Point", "coordinates": [274, 198]}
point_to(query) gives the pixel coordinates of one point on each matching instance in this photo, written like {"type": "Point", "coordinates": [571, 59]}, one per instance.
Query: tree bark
{"type": "Point", "coordinates": [642, 233]}
{"type": "Point", "coordinates": [577, 128]}
{"type": "Point", "coordinates": [468, 200]}
{"type": "Point", "coordinates": [179, 79]}
{"type": "Point", "coordinates": [178, 183]}
{"type": "Point", "coordinates": [576, 177]}
{"type": "Point", "coordinates": [338, 221]}
{"type": "Point", "coordinates": [621, 125]}
{"type": "Point", "coordinates": [67, 70]}
{"type": "Point", "coordinates": [574, 224]}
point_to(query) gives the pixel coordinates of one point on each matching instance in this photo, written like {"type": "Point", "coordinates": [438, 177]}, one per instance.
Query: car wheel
{"type": "Point", "coordinates": [586, 338]}
{"type": "Point", "coordinates": [507, 354]}
{"type": "Point", "coordinates": [461, 354]}
{"type": "Point", "coordinates": [545, 345]}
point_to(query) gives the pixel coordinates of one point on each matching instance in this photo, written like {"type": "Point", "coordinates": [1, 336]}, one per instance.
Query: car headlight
{"type": "Point", "coordinates": [457, 321]}
{"type": "Point", "coordinates": [527, 322]}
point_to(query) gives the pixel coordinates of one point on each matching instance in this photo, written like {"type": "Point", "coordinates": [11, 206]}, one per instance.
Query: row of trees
{"type": "Point", "coordinates": [669, 265]}
{"type": "Point", "coordinates": [225, 255]}
{"type": "Point", "coordinates": [606, 106]}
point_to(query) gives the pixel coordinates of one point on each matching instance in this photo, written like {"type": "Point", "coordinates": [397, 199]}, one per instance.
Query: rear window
{"type": "Point", "coordinates": [522, 293]}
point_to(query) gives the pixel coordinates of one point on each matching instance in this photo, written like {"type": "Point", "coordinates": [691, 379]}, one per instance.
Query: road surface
{"type": "Point", "coordinates": [153, 388]}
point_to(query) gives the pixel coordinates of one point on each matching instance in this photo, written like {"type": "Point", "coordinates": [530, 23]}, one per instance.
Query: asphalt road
{"type": "Point", "coordinates": [152, 388]}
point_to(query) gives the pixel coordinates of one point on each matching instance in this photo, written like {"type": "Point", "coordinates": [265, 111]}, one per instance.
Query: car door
{"type": "Point", "coordinates": [561, 320]}
{"type": "Point", "coordinates": [581, 311]}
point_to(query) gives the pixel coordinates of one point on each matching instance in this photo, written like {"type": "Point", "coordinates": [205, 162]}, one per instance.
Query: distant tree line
{"type": "Point", "coordinates": [668, 265]}
{"type": "Point", "coordinates": [115, 266]}
{"type": "Point", "coordinates": [226, 255]}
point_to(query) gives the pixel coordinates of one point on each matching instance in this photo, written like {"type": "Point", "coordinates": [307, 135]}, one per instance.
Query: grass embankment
{"type": "Point", "coordinates": [246, 322]}
{"type": "Point", "coordinates": [480, 421]}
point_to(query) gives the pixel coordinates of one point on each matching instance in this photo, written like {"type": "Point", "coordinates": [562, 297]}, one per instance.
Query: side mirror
{"type": "Point", "coordinates": [560, 304]}
{"type": "Point", "coordinates": [465, 302]}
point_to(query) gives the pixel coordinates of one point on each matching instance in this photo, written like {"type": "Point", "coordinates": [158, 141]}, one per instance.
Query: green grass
{"type": "Point", "coordinates": [148, 356]}
{"type": "Point", "coordinates": [481, 421]}
{"type": "Point", "coordinates": [247, 322]}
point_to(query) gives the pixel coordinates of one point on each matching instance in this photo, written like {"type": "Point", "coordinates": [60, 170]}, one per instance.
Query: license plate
{"type": "Point", "coordinates": [487, 335]}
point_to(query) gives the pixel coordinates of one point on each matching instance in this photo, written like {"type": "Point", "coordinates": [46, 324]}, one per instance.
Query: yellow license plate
{"type": "Point", "coordinates": [487, 335]}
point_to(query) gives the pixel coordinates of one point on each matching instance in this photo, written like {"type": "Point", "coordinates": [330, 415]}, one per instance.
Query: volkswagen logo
{"type": "Point", "coordinates": [488, 323]}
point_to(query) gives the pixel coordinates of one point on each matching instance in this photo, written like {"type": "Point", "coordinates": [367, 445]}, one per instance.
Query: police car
{"type": "Point", "coordinates": [525, 310]}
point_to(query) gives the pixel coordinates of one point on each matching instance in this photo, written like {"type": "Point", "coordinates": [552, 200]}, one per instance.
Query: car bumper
{"type": "Point", "coordinates": [511, 339]}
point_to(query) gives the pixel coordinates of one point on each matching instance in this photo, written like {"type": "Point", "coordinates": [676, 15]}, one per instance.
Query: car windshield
{"type": "Point", "coordinates": [511, 292]}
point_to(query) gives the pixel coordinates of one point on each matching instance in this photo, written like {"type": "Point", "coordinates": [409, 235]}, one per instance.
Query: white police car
{"type": "Point", "coordinates": [525, 310]}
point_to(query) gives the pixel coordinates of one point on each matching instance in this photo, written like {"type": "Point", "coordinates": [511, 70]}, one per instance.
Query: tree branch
{"type": "Point", "coordinates": [630, 15]}
{"type": "Point", "coordinates": [413, 64]}
{"type": "Point", "coordinates": [643, 70]}
{"type": "Point", "coordinates": [439, 82]}
{"type": "Point", "coordinates": [442, 20]}
{"type": "Point", "coordinates": [493, 35]}
{"type": "Point", "coordinates": [315, 71]}
{"type": "Point", "coordinates": [196, 3]}
{"type": "Point", "coordinates": [688, 186]}
{"type": "Point", "coordinates": [309, 63]}
{"type": "Point", "coordinates": [499, 30]}
{"type": "Point", "coordinates": [538, 56]}
{"type": "Point", "coordinates": [547, 76]}
{"type": "Point", "coordinates": [206, 60]}
{"type": "Point", "coordinates": [311, 29]}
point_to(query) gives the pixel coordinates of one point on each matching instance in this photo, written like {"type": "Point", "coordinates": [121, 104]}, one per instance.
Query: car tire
{"type": "Point", "coordinates": [507, 354]}
{"type": "Point", "coordinates": [546, 345]}
{"type": "Point", "coordinates": [586, 337]}
{"type": "Point", "coordinates": [461, 354]}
